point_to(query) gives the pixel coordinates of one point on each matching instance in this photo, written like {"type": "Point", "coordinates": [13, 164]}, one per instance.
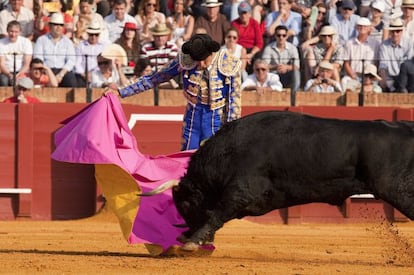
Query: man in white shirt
{"type": "Point", "coordinates": [262, 79]}
{"type": "Point", "coordinates": [115, 22]}
{"type": "Point", "coordinates": [16, 11]}
{"type": "Point", "coordinates": [14, 46]}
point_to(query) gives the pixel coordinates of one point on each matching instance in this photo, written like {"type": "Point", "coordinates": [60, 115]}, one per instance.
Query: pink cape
{"type": "Point", "coordinates": [99, 134]}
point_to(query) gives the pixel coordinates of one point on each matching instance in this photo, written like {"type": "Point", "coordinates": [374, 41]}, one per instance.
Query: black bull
{"type": "Point", "coordinates": [271, 160]}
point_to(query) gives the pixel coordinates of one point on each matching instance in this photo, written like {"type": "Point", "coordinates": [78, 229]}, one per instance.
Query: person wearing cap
{"type": "Point", "coordinates": [57, 52]}
{"type": "Point", "coordinates": [213, 21]}
{"type": "Point", "coordinates": [323, 82]}
{"type": "Point", "coordinates": [147, 17]}
{"type": "Point", "coordinates": [250, 33]}
{"type": "Point", "coordinates": [370, 81]}
{"type": "Point", "coordinates": [344, 22]}
{"type": "Point", "coordinates": [376, 14]}
{"type": "Point", "coordinates": [130, 42]}
{"type": "Point", "coordinates": [408, 18]}
{"type": "Point", "coordinates": [115, 21]}
{"type": "Point", "coordinates": [285, 17]}
{"type": "Point", "coordinates": [392, 53]}
{"type": "Point", "coordinates": [16, 11]}
{"type": "Point", "coordinates": [87, 13]}
{"type": "Point", "coordinates": [325, 49]}
{"type": "Point", "coordinates": [162, 50]}
{"type": "Point", "coordinates": [358, 51]}
{"type": "Point", "coordinates": [22, 92]}
{"type": "Point", "coordinates": [14, 66]}
{"type": "Point", "coordinates": [88, 48]}
{"type": "Point", "coordinates": [262, 80]}
{"type": "Point", "coordinates": [211, 84]}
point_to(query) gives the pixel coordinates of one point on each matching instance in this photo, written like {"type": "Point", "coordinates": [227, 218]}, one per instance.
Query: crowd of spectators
{"type": "Point", "coordinates": [313, 45]}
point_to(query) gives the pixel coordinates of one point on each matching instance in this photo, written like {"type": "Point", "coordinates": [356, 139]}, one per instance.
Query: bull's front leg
{"type": "Point", "coordinates": [226, 210]}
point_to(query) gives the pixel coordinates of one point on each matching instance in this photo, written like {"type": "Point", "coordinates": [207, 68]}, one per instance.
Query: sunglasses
{"type": "Point", "coordinates": [37, 68]}
{"type": "Point", "coordinates": [93, 34]}
{"type": "Point", "coordinates": [260, 69]}
{"type": "Point", "coordinates": [321, 12]}
{"type": "Point", "coordinates": [232, 37]}
{"type": "Point", "coordinates": [281, 35]}
{"type": "Point", "coordinates": [396, 31]}
{"type": "Point", "coordinates": [347, 9]}
{"type": "Point", "coordinates": [151, 5]}
{"type": "Point", "coordinates": [53, 24]}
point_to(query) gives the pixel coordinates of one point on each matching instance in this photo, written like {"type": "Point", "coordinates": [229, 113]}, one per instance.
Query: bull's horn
{"type": "Point", "coordinates": [167, 185]}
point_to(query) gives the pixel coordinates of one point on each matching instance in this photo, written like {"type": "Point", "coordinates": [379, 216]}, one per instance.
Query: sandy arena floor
{"type": "Point", "coordinates": [95, 246]}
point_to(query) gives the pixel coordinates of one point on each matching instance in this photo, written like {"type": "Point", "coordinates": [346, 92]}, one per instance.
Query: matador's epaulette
{"type": "Point", "coordinates": [186, 62]}
{"type": "Point", "coordinates": [228, 64]}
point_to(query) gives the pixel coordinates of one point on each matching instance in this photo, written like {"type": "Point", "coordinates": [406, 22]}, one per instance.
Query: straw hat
{"type": "Point", "coordinates": [211, 3]}
{"type": "Point", "coordinates": [94, 27]}
{"type": "Point", "coordinates": [56, 18]}
{"type": "Point", "coordinates": [396, 24]}
{"type": "Point", "coordinates": [115, 51]}
{"type": "Point", "coordinates": [160, 29]}
{"type": "Point", "coordinates": [327, 30]}
{"type": "Point", "coordinates": [378, 5]}
{"type": "Point", "coordinates": [326, 65]}
{"type": "Point", "coordinates": [25, 82]}
{"type": "Point", "coordinates": [407, 4]}
{"type": "Point", "coordinates": [363, 21]}
{"type": "Point", "coordinates": [372, 70]}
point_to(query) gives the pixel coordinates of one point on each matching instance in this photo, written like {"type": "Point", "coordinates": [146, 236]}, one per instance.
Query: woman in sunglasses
{"type": "Point", "coordinates": [235, 49]}
{"type": "Point", "coordinates": [147, 17]}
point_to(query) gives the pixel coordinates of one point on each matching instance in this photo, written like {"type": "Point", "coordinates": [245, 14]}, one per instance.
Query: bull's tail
{"type": "Point", "coordinates": [167, 185]}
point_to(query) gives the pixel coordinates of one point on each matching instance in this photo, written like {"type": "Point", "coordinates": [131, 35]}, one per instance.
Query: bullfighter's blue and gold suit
{"type": "Point", "coordinates": [213, 95]}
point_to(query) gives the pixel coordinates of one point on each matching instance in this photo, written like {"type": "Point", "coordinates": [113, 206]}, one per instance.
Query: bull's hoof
{"type": "Point", "coordinates": [182, 239]}
{"type": "Point", "coordinates": [190, 247]}
{"type": "Point", "coordinates": [178, 251]}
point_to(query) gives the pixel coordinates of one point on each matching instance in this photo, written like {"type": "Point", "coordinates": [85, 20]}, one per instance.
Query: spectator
{"type": "Point", "coordinates": [44, 16]}
{"type": "Point", "coordinates": [323, 82]}
{"type": "Point", "coordinates": [107, 73]}
{"type": "Point", "coordinates": [345, 21]}
{"type": "Point", "coordinates": [15, 54]}
{"type": "Point", "coordinates": [87, 14]}
{"type": "Point", "coordinates": [326, 50]}
{"type": "Point", "coordinates": [15, 11]}
{"type": "Point", "coordinates": [148, 16]}
{"type": "Point", "coordinates": [213, 21]}
{"type": "Point", "coordinates": [41, 75]}
{"type": "Point", "coordinates": [57, 52]}
{"type": "Point", "coordinates": [115, 22]}
{"type": "Point", "coordinates": [22, 93]}
{"type": "Point", "coordinates": [283, 59]}
{"type": "Point", "coordinates": [162, 50]}
{"type": "Point", "coordinates": [371, 78]}
{"type": "Point", "coordinates": [285, 17]}
{"type": "Point", "coordinates": [358, 50]}
{"type": "Point", "coordinates": [250, 34]}
{"type": "Point", "coordinates": [181, 22]}
{"type": "Point", "coordinates": [313, 25]}
{"type": "Point", "coordinates": [143, 67]}
{"type": "Point", "coordinates": [408, 18]}
{"type": "Point", "coordinates": [392, 53]}
{"type": "Point", "coordinates": [262, 79]}
{"type": "Point", "coordinates": [376, 15]}
{"type": "Point", "coordinates": [89, 49]}
{"type": "Point", "coordinates": [406, 76]}
{"type": "Point", "coordinates": [129, 41]}
{"type": "Point", "coordinates": [235, 49]}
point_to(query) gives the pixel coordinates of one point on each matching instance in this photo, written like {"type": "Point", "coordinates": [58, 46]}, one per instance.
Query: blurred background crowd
{"type": "Point", "coordinates": [310, 45]}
